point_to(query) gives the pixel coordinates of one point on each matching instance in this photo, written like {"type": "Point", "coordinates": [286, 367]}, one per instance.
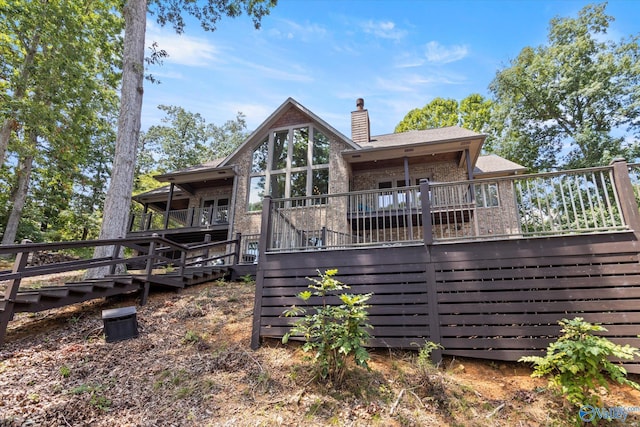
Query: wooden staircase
{"type": "Point", "coordinates": [190, 264]}
{"type": "Point", "coordinates": [48, 297]}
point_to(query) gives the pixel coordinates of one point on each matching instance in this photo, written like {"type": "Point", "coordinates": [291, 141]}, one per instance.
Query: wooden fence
{"type": "Point", "coordinates": [497, 299]}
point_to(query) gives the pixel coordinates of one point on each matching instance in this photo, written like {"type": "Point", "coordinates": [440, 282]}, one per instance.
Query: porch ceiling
{"type": "Point", "coordinates": [422, 150]}
{"type": "Point", "coordinates": [399, 162]}
{"type": "Point", "coordinates": [197, 175]}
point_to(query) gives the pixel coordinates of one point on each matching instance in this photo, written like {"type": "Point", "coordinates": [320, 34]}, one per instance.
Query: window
{"type": "Point", "coordinates": [487, 195]}
{"type": "Point", "coordinates": [392, 198]}
{"type": "Point", "coordinates": [292, 162]}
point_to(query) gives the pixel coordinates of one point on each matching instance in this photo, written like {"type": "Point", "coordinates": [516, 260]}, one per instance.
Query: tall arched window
{"type": "Point", "coordinates": [289, 162]}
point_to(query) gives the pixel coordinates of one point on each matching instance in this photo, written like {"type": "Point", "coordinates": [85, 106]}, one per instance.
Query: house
{"type": "Point", "coordinates": [458, 248]}
{"type": "Point", "coordinates": [296, 154]}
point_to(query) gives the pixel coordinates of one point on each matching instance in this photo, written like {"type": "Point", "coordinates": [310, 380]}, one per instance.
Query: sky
{"type": "Point", "coordinates": [396, 54]}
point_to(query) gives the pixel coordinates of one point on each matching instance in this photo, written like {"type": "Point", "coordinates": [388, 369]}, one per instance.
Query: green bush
{"type": "Point", "coordinates": [578, 362]}
{"type": "Point", "coordinates": [335, 333]}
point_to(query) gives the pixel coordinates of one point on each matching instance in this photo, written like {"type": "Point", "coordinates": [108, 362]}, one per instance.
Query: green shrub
{"type": "Point", "coordinates": [578, 362]}
{"type": "Point", "coordinates": [334, 332]}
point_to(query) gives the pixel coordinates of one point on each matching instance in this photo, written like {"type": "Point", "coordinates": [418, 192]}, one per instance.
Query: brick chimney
{"type": "Point", "coordinates": [360, 130]}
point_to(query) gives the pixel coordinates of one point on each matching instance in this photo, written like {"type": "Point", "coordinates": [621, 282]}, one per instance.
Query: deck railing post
{"type": "Point", "coordinates": [114, 256]}
{"type": "Point", "coordinates": [11, 291]}
{"type": "Point", "coordinates": [626, 196]}
{"type": "Point", "coordinates": [323, 237]}
{"type": "Point", "coordinates": [432, 291]}
{"type": "Point", "coordinates": [427, 227]}
{"type": "Point", "coordinates": [205, 254]}
{"type": "Point", "coordinates": [263, 245]}
{"type": "Point", "coordinates": [149, 269]}
{"type": "Point", "coordinates": [236, 249]}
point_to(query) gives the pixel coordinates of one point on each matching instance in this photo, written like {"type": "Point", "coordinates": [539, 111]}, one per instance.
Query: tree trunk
{"type": "Point", "coordinates": [118, 199]}
{"type": "Point", "coordinates": [18, 197]}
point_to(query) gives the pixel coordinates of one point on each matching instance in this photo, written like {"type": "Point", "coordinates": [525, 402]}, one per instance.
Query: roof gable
{"type": "Point", "coordinates": [287, 114]}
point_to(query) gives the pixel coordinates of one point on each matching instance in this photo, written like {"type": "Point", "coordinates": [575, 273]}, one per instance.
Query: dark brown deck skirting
{"type": "Point", "coordinates": [497, 299]}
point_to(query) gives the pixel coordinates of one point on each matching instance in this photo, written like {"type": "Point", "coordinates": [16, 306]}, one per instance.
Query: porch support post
{"type": "Point", "coordinates": [169, 200]}
{"type": "Point", "coordinates": [265, 238]}
{"type": "Point", "coordinates": [626, 196]}
{"type": "Point", "coordinates": [432, 291]}
{"type": "Point", "coordinates": [409, 202]}
{"type": "Point", "coordinates": [143, 217]}
{"type": "Point", "coordinates": [11, 291]}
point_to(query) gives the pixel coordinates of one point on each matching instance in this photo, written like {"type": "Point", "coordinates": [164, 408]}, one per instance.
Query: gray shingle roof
{"type": "Point", "coordinates": [493, 163]}
{"type": "Point", "coordinates": [419, 136]}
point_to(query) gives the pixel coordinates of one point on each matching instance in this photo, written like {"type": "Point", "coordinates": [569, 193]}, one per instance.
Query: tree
{"type": "Point", "coordinates": [185, 139]}
{"type": "Point", "coordinates": [118, 199]}
{"type": "Point", "coordinates": [473, 113]}
{"type": "Point", "coordinates": [570, 102]}
{"type": "Point", "coordinates": [59, 73]}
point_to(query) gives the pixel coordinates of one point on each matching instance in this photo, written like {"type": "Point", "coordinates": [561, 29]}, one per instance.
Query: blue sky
{"type": "Point", "coordinates": [397, 55]}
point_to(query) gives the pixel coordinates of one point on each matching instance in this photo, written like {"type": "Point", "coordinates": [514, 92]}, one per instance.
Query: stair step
{"type": "Point", "coordinates": [30, 297]}
{"type": "Point", "coordinates": [80, 288]}
{"type": "Point", "coordinates": [54, 293]}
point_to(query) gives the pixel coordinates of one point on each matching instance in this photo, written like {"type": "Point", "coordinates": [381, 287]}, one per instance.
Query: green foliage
{"type": "Point", "coordinates": [65, 371]}
{"type": "Point", "coordinates": [97, 399]}
{"type": "Point", "coordinates": [473, 113]}
{"type": "Point", "coordinates": [424, 356]}
{"type": "Point", "coordinates": [247, 279]}
{"type": "Point", "coordinates": [59, 96]}
{"type": "Point", "coordinates": [185, 139]}
{"type": "Point", "coordinates": [560, 104]}
{"type": "Point", "coordinates": [578, 362]}
{"type": "Point", "coordinates": [335, 333]}
{"type": "Point", "coordinates": [191, 337]}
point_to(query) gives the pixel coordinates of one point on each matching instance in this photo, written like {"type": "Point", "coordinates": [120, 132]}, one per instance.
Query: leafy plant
{"type": "Point", "coordinates": [578, 362]}
{"type": "Point", "coordinates": [190, 337]}
{"type": "Point", "coordinates": [97, 399]}
{"type": "Point", "coordinates": [334, 332]}
{"type": "Point", "coordinates": [424, 356]}
{"type": "Point", "coordinates": [65, 371]}
{"type": "Point", "coordinates": [247, 279]}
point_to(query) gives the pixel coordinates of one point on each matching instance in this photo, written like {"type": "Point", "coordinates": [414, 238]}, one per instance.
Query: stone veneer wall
{"type": "Point", "coordinates": [436, 172]}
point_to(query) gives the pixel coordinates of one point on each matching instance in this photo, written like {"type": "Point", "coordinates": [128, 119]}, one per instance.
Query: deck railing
{"type": "Point", "coordinates": [556, 203]}
{"type": "Point", "coordinates": [181, 218]}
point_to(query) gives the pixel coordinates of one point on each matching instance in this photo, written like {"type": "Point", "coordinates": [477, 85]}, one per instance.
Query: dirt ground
{"type": "Point", "coordinates": [192, 366]}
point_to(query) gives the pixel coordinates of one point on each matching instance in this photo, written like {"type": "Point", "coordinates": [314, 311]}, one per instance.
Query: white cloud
{"type": "Point", "coordinates": [291, 29]}
{"type": "Point", "coordinates": [183, 49]}
{"type": "Point", "coordinates": [408, 60]}
{"type": "Point", "coordinates": [279, 74]}
{"type": "Point", "coordinates": [383, 29]}
{"type": "Point", "coordinates": [435, 52]}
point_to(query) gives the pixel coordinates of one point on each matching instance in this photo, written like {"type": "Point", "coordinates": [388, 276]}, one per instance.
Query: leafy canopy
{"type": "Point", "coordinates": [573, 102]}
{"type": "Point", "coordinates": [473, 113]}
